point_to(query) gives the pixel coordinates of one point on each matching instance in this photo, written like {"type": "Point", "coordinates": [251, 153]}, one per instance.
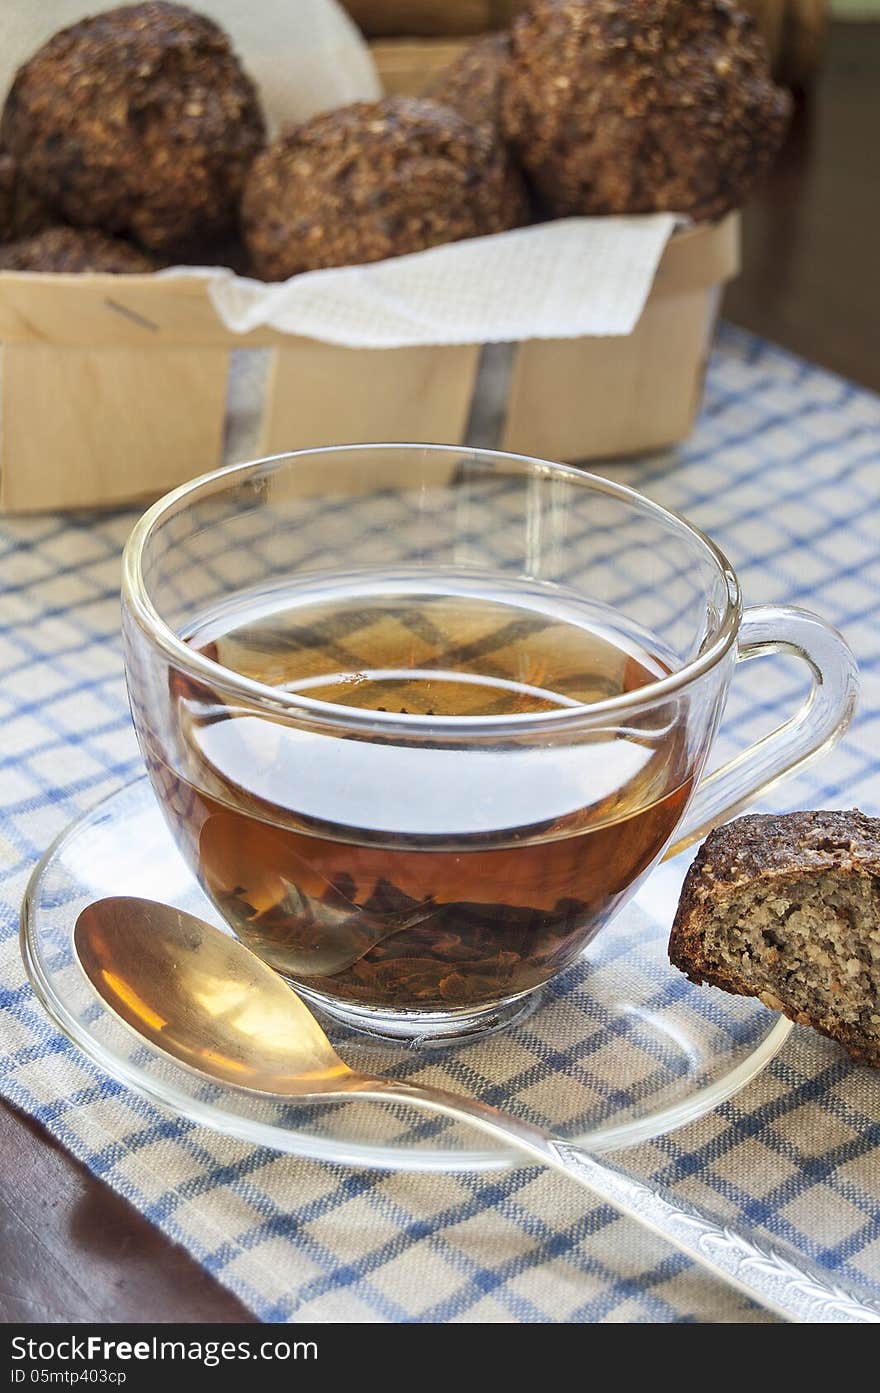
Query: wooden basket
{"type": "Point", "coordinates": [114, 388]}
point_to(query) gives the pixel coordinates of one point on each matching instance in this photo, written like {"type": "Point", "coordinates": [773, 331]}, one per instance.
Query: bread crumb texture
{"type": "Point", "coordinates": [787, 909]}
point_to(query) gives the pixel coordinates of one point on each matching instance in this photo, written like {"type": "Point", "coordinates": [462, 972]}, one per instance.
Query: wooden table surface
{"type": "Point", "coordinates": [70, 1249]}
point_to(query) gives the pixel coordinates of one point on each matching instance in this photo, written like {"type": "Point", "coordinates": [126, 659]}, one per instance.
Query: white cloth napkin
{"type": "Point", "coordinates": [557, 280]}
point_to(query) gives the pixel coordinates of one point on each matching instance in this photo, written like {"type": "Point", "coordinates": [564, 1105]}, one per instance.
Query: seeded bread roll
{"type": "Point", "coordinates": [472, 84]}
{"type": "Point", "coordinates": [74, 249]}
{"type": "Point", "coordinates": [139, 121]}
{"type": "Point", "coordinates": [373, 180]}
{"type": "Point", "coordinates": [641, 106]}
{"type": "Point", "coordinates": [787, 909]}
{"type": "Point", "coordinates": [21, 211]}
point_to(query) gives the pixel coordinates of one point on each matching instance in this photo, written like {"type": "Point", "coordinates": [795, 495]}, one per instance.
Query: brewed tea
{"type": "Point", "coordinates": [413, 872]}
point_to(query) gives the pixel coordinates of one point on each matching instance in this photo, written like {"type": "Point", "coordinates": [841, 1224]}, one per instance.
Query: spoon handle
{"type": "Point", "coordinates": [775, 1276]}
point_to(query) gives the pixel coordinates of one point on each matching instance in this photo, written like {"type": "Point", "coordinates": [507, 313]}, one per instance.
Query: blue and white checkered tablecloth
{"type": "Point", "coordinates": [784, 471]}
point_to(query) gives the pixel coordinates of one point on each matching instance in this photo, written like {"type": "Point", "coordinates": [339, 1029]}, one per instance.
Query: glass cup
{"type": "Point", "coordinates": [422, 718]}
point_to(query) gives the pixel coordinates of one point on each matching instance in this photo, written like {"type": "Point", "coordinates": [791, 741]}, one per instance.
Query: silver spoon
{"type": "Point", "coordinates": [200, 996]}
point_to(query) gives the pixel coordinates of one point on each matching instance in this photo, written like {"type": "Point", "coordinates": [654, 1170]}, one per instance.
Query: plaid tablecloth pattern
{"type": "Point", "coordinates": [783, 470]}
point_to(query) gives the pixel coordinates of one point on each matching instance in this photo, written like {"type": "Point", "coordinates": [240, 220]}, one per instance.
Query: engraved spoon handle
{"type": "Point", "coordinates": [775, 1276]}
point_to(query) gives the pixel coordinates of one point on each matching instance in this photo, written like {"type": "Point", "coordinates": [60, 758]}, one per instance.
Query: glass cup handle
{"type": "Point", "coordinates": [824, 716]}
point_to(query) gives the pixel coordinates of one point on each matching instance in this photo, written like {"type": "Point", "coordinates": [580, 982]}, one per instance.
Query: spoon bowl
{"type": "Point", "coordinates": [203, 998]}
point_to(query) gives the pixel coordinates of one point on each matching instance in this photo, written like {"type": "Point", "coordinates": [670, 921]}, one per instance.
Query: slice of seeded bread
{"type": "Point", "coordinates": [787, 909]}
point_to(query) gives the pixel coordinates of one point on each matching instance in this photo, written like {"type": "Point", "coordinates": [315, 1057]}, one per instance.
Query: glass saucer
{"type": "Point", "coordinates": [620, 1049]}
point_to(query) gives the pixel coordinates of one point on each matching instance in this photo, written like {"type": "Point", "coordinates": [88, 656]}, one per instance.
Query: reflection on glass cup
{"type": "Point", "coordinates": [422, 718]}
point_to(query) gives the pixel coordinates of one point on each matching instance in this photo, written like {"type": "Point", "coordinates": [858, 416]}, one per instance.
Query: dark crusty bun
{"type": "Point", "coordinates": [787, 909]}
{"type": "Point", "coordinates": [373, 180]}
{"type": "Point", "coordinates": [472, 86]}
{"type": "Point", "coordinates": [472, 83]}
{"type": "Point", "coordinates": [640, 106]}
{"type": "Point", "coordinates": [21, 210]}
{"type": "Point", "coordinates": [139, 121]}
{"type": "Point", "coordinates": [74, 249]}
